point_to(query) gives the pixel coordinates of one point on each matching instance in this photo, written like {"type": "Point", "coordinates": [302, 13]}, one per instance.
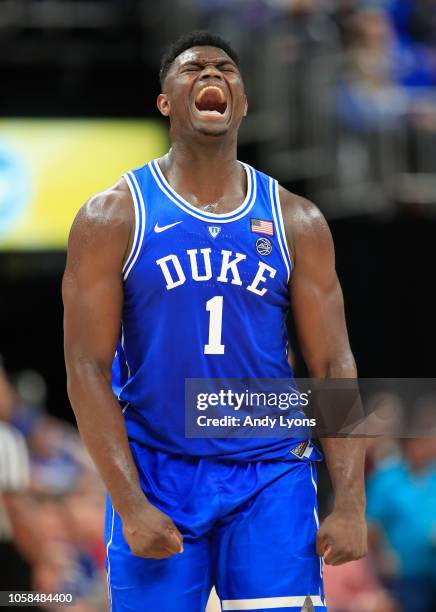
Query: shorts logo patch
{"type": "Point", "coordinates": [299, 450]}
{"type": "Point", "coordinates": [214, 230]}
{"type": "Point", "coordinates": [263, 246]}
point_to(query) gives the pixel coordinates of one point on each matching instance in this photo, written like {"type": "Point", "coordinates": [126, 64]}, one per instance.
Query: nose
{"type": "Point", "coordinates": [211, 72]}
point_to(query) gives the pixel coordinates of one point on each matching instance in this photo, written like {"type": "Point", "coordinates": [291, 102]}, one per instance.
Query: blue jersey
{"type": "Point", "coordinates": [205, 296]}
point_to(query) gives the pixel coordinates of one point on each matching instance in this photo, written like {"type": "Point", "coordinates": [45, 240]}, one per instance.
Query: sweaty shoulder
{"type": "Point", "coordinates": [106, 222]}
{"type": "Point", "coordinates": [305, 225]}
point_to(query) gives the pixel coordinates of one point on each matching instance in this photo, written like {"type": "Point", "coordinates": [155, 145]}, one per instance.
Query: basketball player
{"type": "Point", "coordinates": [186, 268]}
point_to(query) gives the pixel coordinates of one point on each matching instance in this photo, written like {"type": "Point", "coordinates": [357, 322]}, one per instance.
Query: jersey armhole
{"type": "Point", "coordinates": [139, 208]}
{"type": "Point", "coordinates": [280, 227]}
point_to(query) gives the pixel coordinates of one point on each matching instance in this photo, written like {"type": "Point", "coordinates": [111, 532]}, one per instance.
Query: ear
{"type": "Point", "coordinates": [163, 104]}
{"type": "Point", "coordinates": [245, 107]}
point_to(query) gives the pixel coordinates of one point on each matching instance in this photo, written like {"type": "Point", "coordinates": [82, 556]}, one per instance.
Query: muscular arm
{"type": "Point", "coordinates": [93, 298]}
{"type": "Point", "coordinates": [318, 311]}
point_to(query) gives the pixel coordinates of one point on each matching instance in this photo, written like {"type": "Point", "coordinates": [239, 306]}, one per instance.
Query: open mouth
{"type": "Point", "coordinates": [211, 99]}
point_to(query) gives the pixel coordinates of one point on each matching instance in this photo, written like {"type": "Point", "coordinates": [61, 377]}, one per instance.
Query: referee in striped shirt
{"type": "Point", "coordinates": [14, 479]}
{"type": "Point", "coordinates": [14, 462]}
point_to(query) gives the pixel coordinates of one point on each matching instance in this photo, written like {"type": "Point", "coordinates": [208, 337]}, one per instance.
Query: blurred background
{"type": "Point", "coordinates": [342, 109]}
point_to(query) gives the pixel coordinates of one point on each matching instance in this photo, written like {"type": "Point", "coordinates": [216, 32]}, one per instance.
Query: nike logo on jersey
{"type": "Point", "coordinates": [158, 229]}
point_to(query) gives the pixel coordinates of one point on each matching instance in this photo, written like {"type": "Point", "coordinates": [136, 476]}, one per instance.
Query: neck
{"type": "Point", "coordinates": [207, 168]}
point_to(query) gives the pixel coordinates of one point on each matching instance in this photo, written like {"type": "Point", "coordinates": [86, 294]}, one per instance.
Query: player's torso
{"type": "Point", "coordinates": [205, 295]}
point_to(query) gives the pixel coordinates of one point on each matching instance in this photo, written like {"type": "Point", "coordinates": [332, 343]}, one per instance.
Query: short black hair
{"type": "Point", "coordinates": [197, 38]}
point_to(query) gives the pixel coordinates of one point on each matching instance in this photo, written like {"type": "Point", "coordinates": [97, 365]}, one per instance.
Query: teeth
{"type": "Point", "coordinates": [212, 88]}
{"type": "Point", "coordinates": [211, 99]}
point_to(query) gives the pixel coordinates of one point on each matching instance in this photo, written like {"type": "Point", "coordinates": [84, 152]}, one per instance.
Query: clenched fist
{"type": "Point", "coordinates": [342, 537]}
{"type": "Point", "coordinates": [151, 534]}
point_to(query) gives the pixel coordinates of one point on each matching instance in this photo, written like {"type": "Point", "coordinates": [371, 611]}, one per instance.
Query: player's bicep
{"type": "Point", "coordinates": [92, 315]}
{"type": "Point", "coordinates": [319, 318]}
{"type": "Point", "coordinates": [92, 287]}
{"type": "Point", "coordinates": [316, 296]}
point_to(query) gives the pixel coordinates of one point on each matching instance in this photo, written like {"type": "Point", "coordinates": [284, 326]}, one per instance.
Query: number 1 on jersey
{"type": "Point", "coordinates": [215, 307]}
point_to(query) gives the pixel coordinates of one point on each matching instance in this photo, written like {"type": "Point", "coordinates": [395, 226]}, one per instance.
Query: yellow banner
{"type": "Point", "coordinates": [49, 168]}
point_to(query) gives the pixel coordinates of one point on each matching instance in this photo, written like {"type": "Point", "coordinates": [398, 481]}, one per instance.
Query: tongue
{"type": "Point", "coordinates": [210, 100]}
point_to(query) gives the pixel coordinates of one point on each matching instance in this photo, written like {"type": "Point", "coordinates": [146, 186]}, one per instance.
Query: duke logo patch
{"type": "Point", "coordinates": [214, 230]}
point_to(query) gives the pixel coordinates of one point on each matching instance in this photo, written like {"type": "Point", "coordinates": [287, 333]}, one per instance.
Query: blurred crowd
{"type": "Point", "coordinates": [342, 102]}
{"type": "Point", "coordinates": [390, 45]}
{"type": "Point", "coordinates": [385, 97]}
{"type": "Point", "coordinates": [51, 501]}
{"type": "Point", "coordinates": [353, 83]}
{"type": "Point", "coordinates": [399, 573]}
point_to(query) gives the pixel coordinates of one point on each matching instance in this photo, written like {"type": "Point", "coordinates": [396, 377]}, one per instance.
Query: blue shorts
{"type": "Point", "coordinates": [248, 528]}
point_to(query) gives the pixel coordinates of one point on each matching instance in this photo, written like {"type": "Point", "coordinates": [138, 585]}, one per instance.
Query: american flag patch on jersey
{"type": "Point", "coordinates": [260, 226]}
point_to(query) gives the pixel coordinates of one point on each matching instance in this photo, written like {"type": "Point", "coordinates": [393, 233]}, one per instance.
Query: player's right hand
{"type": "Point", "coordinates": [152, 534]}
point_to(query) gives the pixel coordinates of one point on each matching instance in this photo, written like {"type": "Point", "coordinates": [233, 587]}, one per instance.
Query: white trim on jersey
{"type": "Point", "coordinates": [127, 366]}
{"type": "Point", "coordinates": [108, 573]}
{"type": "Point", "coordinates": [266, 603]}
{"type": "Point", "coordinates": [315, 516]}
{"type": "Point", "coordinates": [315, 513]}
{"type": "Point", "coordinates": [234, 215]}
{"type": "Point", "coordinates": [135, 207]}
{"type": "Point", "coordinates": [282, 225]}
{"type": "Point", "coordinates": [315, 486]}
{"type": "Point", "coordinates": [124, 350]}
{"type": "Point", "coordinates": [140, 220]}
{"type": "Point", "coordinates": [275, 212]}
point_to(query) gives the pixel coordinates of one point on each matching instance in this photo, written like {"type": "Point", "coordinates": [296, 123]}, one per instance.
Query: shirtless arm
{"type": "Point", "coordinates": [92, 291]}
{"type": "Point", "coordinates": [318, 310]}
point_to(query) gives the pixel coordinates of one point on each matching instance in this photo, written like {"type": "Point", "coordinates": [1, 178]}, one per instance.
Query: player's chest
{"type": "Point", "coordinates": [183, 253]}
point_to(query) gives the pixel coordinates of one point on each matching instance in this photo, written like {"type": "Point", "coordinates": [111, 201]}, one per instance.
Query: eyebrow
{"type": "Point", "coordinates": [200, 63]}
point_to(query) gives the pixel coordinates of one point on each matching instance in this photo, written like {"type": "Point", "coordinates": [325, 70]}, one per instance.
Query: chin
{"type": "Point", "coordinates": [209, 131]}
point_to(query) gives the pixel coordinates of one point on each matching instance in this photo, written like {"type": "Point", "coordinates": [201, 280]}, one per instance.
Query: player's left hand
{"type": "Point", "coordinates": [342, 537]}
